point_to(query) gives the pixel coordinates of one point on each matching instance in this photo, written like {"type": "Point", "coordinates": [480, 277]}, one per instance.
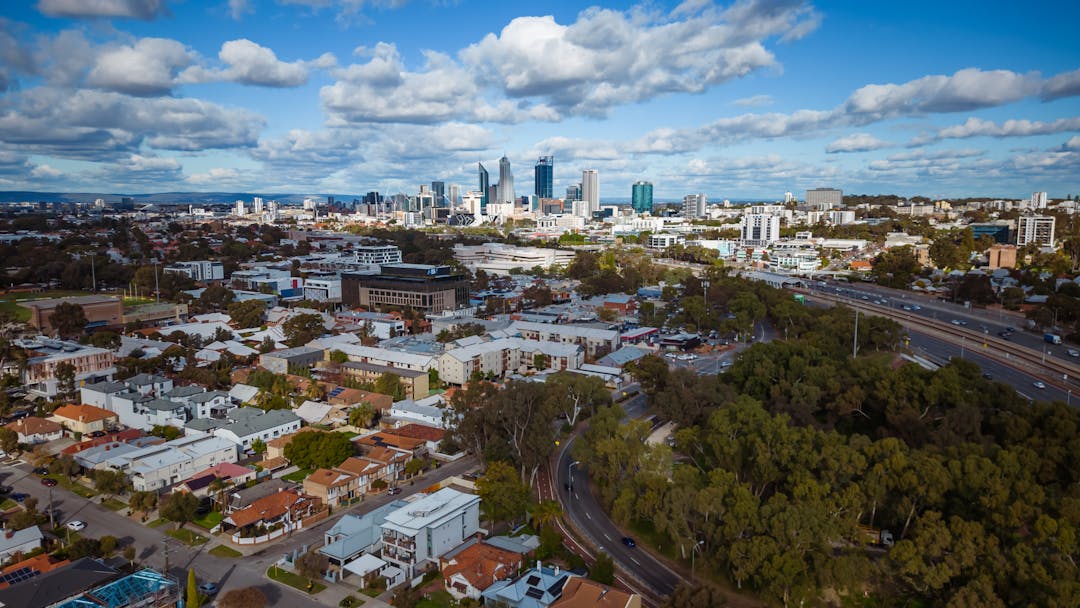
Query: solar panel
{"type": "Point", "coordinates": [556, 587]}
{"type": "Point", "coordinates": [18, 576]}
{"type": "Point", "coordinates": [532, 580]}
{"type": "Point", "coordinates": [337, 391]}
{"type": "Point", "coordinates": [534, 593]}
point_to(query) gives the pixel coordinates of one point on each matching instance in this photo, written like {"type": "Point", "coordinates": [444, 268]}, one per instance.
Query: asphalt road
{"type": "Point", "coordinates": [228, 573]}
{"type": "Point", "coordinates": [582, 507]}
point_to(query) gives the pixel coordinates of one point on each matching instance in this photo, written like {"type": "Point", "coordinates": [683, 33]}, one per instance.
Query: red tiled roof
{"type": "Point", "coordinates": [329, 478]}
{"type": "Point", "coordinates": [266, 508]}
{"type": "Point", "coordinates": [32, 425]}
{"type": "Point", "coordinates": [420, 431]}
{"type": "Point", "coordinates": [482, 565]}
{"type": "Point", "coordinates": [83, 413]}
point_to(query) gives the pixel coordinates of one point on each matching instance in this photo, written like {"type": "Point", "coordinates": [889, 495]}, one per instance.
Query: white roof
{"type": "Point", "coordinates": [203, 330]}
{"type": "Point", "coordinates": [243, 392]}
{"type": "Point", "coordinates": [429, 511]}
{"type": "Point", "coordinates": [410, 360]}
{"type": "Point", "coordinates": [313, 411]}
{"type": "Point", "coordinates": [553, 349]}
{"type": "Point", "coordinates": [365, 564]}
{"type": "Point", "coordinates": [565, 330]}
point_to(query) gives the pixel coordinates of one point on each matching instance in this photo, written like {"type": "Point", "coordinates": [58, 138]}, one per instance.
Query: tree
{"type": "Point", "coordinates": [258, 446]}
{"type": "Point", "coordinates": [68, 319]}
{"type": "Point", "coordinates": [573, 394]}
{"type": "Point", "coordinates": [337, 356]}
{"type": "Point", "coordinates": [362, 416]}
{"type": "Point", "coordinates": [414, 466]}
{"type": "Point", "coordinates": [65, 380]}
{"type": "Point", "coordinates": [390, 384]}
{"type": "Point", "coordinates": [9, 440]}
{"type": "Point", "coordinates": [267, 345]}
{"type": "Point", "coordinates": [896, 267]}
{"type": "Point", "coordinates": [503, 496]}
{"type": "Point", "coordinates": [546, 512]}
{"type": "Point", "coordinates": [110, 482]}
{"type": "Point", "coordinates": [311, 565]}
{"type": "Point", "coordinates": [64, 466]}
{"type": "Point", "coordinates": [248, 597]}
{"type": "Point", "coordinates": [303, 328]}
{"type": "Point", "coordinates": [313, 450]}
{"type": "Point", "coordinates": [107, 544]}
{"type": "Point", "coordinates": [247, 314]}
{"type": "Point", "coordinates": [179, 507]}
{"type": "Point", "coordinates": [216, 297]}
{"type": "Point", "coordinates": [603, 569]}
{"type": "Point", "coordinates": [129, 555]}
{"type": "Point", "coordinates": [143, 501]}
{"type": "Point", "coordinates": [192, 590]}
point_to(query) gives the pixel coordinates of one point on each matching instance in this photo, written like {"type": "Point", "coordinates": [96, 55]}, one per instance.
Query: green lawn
{"type": "Point", "coordinates": [294, 580]}
{"type": "Point", "coordinates": [8, 504]}
{"type": "Point", "coordinates": [157, 523]}
{"type": "Point", "coordinates": [225, 551]}
{"type": "Point", "coordinates": [209, 520]}
{"type": "Point", "coordinates": [187, 537]}
{"type": "Point", "coordinates": [297, 476]}
{"type": "Point", "coordinates": [72, 486]}
{"type": "Point", "coordinates": [436, 599]}
{"type": "Point", "coordinates": [114, 505]}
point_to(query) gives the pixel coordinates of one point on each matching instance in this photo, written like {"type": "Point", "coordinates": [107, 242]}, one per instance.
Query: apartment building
{"type": "Point", "coordinates": [159, 467]}
{"type": "Point", "coordinates": [591, 339]}
{"type": "Point", "coordinates": [414, 537]}
{"type": "Point", "coordinates": [322, 290]}
{"type": "Point", "coordinates": [1035, 230]}
{"type": "Point", "coordinates": [45, 355]}
{"type": "Point", "coordinates": [505, 356]}
{"type": "Point", "coordinates": [200, 272]}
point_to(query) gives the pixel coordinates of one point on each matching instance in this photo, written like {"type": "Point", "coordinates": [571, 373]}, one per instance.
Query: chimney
{"type": "Point", "coordinates": [556, 570]}
{"type": "Point", "coordinates": [539, 564]}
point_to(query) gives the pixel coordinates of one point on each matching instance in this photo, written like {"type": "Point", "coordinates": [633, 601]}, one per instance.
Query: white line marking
{"type": "Point", "coordinates": [587, 515]}
{"type": "Point", "coordinates": [606, 536]}
{"type": "Point", "coordinates": [635, 561]}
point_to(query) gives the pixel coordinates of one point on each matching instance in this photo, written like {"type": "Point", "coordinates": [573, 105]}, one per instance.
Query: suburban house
{"type": "Point", "coordinates": [147, 400]}
{"type": "Point", "coordinates": [469, 570]}
{"type": "Point", "coordinates": [244, 425]}
{"type": "Point", "coordinates": [242, 498]}
{"type": "Point", "coordinates": [431, 436]}
{"type": "Point", "coordinates": [392, 461]}
{"type": "Point", "coordinates": [538, 587]}
{"type": "Point", "coordinates": [85, 419]}
{"type": "Point", "coordinates": [429, 411]}
{"type": "Point", "coordinates": [161, 466]}
{"type": "Point", "coordinates": [365, 470]}
{"type": "Point", "coordinates": [271, 517]}
{"type": "Point", "coordinates": [358, 537]}
{"type": "Point", "coordinates": [23, 541]}
{"type": "Point", "coordinates": [415, 536]}
{"type": "Point", "coordinates": [29, 568]}
{"type": "Point", "coordinates": [331, 487]}
{"type": "Point", "coordinates": [388, 439]}
{"type": "Point", "coordinates": [32, 430]}
{"type": "Point", "coordinates": [582, 593]}
{"type": "Point", "coordinates": [230, 474]}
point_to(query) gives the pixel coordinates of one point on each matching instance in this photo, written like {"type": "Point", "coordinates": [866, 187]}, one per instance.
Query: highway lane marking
{"type": "Point", "coordinates": [587, 515]}
{"type": "Point", "coordinates": [606, 536]}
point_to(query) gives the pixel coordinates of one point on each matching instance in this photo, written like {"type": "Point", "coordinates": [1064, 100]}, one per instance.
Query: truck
{"type": "Point", "coordinates": [1052, 338]}
{"type": "Point", "coordinates": [873, 536]}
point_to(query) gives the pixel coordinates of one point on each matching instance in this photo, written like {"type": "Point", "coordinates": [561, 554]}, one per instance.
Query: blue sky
{"type": "Point", "coordinates": [737, 100]}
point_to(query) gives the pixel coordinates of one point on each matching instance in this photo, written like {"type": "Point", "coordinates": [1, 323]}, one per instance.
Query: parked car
{"type": "Point", "coordinates": [48, 482]}
{"type": "Point", "coordinates": [208, 588]}
{"type": "Point", "coordinates": [4, 490]}
{"type": "Point", "coordinates": [96, 434]}
{"type": "Point", "coordinates": [41, 471]}
{"type": "Point", "coordinates": [76, 525]}
{"type": "Point", "coordinates": [393, 491]}
{"type": "Point", "coordinates": [19, 496]}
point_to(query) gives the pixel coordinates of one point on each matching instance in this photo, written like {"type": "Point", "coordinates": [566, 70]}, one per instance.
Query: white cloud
{"type": "Point", "coordinates": [1062, 85]}
{"type": "Point", "coordinates": [239, 8]}
{"type": "Point", "coordinates": [149, 67]}
{"type": "Point", "coordinates": [856, 142]}
{"type": "Point", "coordinates": [216, 175]}
{"type": "Point", "coordinates": [46, 172]}
{"type": "Point", "coordinates": [79, 9]}
{"type": "Point", "coordinates": [1073, 144]}
{"type": "Point", "coordinates": [753, 102]}
{"type": "Point", "coordinates": [967, 89]}
{"type": "Point", "coordinates": [976, 127]}
{"type": "Point", "coordinates": [250, 63]}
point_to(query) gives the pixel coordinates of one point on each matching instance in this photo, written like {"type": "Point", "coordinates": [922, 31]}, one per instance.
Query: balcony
{"type": "Point", "coordinates": [399, 542]}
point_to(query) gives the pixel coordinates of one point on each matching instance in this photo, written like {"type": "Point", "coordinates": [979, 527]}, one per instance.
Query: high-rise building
{"type": "Point", "coordinates": [823, 199]}
{"type": "Point", "coordinates": [438, 189]}
{"type": "Point", "coordinates": [454, 194]}
{"type": "Point", "coordinates": [641, 197]}
{"type": "Point", "coordinates": [1038, 200]}
{"type": "Point", "coordinates": [694, 205]}
{"type": "Point", "coordinates": [1035, 229]}
{"type": "Point", "coordinates": [506, 182]}
{"type": "Point", "coordinates": [759, 230]}
{"type": "Point", "coordinates": [484, 185]}
{"type": "Point", "coordinates": [573, 192]}
{"type": "Point", "coordinates": [239, 208]}
{"type": "Point", "coordinates": [257, 205]}
{"type": "Point", "coordinates": [590, 189]}
{"type": "Point", "coordinates": [544, 177]}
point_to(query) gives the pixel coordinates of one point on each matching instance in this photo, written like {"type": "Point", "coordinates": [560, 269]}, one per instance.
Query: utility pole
{"type": "Point", "coordinates": [52, 512]}
{"type": "Point", "coordinates": [165, 544]}
{"type": "Point", "coordinates": [93, 275]}
{"type": "Point", "coordinates": [157, 290]}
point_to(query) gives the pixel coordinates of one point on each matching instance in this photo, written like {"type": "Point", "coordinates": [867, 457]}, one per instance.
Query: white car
{"type": "Point", "coordinates": [1039, 385]}
{"type": "Point", "coordinates": [76, 525]}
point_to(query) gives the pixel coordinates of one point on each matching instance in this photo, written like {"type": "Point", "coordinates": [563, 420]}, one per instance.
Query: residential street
{"type": "Point", "coordinates": [228, 573]}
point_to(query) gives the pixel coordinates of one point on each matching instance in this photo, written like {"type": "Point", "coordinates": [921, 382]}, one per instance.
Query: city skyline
{"type": "Point", "coordinates": [741, 100]}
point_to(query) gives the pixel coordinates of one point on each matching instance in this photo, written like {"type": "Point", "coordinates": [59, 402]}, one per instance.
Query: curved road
{"type": "Point", "coordinates": [586, 514]}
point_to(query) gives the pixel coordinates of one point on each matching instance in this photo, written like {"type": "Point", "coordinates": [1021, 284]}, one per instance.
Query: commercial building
{"type": "Point", "coordinates": [378, 325]}
{"type": "Point", "coordinates": [100, 311]}
{"type": "Point", "coordinates": [281, 361]}
{"type": "Point", "coordinates": [544, 177]}
{"type": "Point", "coordinates": [1002, 256]}
{"type": "Point", "coordinates": [322, 290]}
{"type": "Point", "coordinates": [641, 197]}
{"type": "Point", "coordinates": [375, 255]}
{"type": "Point", "coordinates": [415, 536]}
{"type": "Point", "coordinates": [500, 258]}
{"type": "Point", "coordinates": [663, 241]}
{"type": "Point", "coordinates": [823, 199]}
{"type": "Point", "coordinates": [1000, 231]}
{"type": "Point", "coordinates": [505, 187]}
{"type": "Point", "coordinates": [200, 272]}
{"type": "Point", "coordinates": [1035, 230]}
{"type": "Point", "coordinates": [485, 188]}
{"type": "Point", "coordinates": [760, 230]}
{"type": "Point", "coordinates": [590, 190]}
{"type": "Point", "coordinates": [44, 355]}
{"type": "Point", "coordinates": [694, 206]}
{"type": "Point", "coordinates": [424, 288]}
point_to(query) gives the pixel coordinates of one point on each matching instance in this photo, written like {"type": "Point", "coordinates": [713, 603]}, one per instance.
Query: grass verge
{"type": "Point", "coordinates": [436, 599]}
{"type": "Point", "coordinates": [188, 537]}
{"type": "Point", "coordinates": [225, 551]}
{"type": "Point", "coordinates": [74, 487]}
{"type": "Point", "coordinates": [294, 580]}
{"type": "Point", "coordinates": [297, 476]}
{"type": "Point", "coordinates": [209, 520]}
{"type": "Point", "coordinates": [113, 504]}
{"type": "Point", "coordinates": [157, 523]}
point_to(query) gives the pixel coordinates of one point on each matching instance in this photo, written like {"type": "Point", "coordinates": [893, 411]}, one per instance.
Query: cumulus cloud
{"type": "Point", "coordinates": [149, 67]}
{"type": "Point", "coordinates": [1073, 144]}
{"type": "Point", "coordinates": [976, 127]}
{"type": "Point", "coordinates": [215, 176]}
{"type": "Point", "coordinates": [753, 102]}
{"type": "Point", "coordinates": [140, 169]}
{"type": "Point", "coordinates": [1062, 85]}
{"type": "Point", "coordinates": [251, 63]}
{"type": "Point", "coordinates": [856, 142]}
{"type": "Point", "coordinates": [81, 9]}
{"type": "Point", "coordinates": [967, 89]}
{"type": "Point", "coordinates": [45, 172]}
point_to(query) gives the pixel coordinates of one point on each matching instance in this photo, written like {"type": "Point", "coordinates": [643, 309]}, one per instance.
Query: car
{"type": "Point", "coordinates": [916, 307]}
{"type": "Point", "coordinates": [76, 525]}
{"type": "Point", "coordinates": [958, 322]}
{"type": "Point", "coordinates": [906, 307]}
{"type": "Point", "coordinates": [1039, 385]}
{"type": "Point", "coordinates": [41, 471]}
{"type": "Point", "coordinates": [393, 491]}
{"type": "Point", "coordinates": [6, 490]}
{"type": "Point", "coordinates": [629, 542]}
{"type": "Point", "coordinates": [1073, 352]}
{"type": "Point", "coordinates": [48, 482]}
{"type": "Point", "coordinates": [208, 588]}
{"type": "Point", "coordinates": [97, 434]}
{"type": "Point", "coordinates": [725, 364]}
{"type": "Point", "coordinates": [988, 375]}
{"type": "Point", "coordinates": [19, 496]}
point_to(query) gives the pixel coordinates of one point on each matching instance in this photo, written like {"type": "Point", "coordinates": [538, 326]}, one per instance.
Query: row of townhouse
{"type": "Point", "coordinates": [146, 400]}
{"type": "Point", "coordinates": [353, 477]}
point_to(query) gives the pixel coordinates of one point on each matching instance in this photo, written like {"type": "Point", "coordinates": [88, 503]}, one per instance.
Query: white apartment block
{"type": "Point", "coordinates": [663, 241]}
{"type": "Point", "coordinates": [199, 271]}
{"type": "Point", "coordinates": [590, 189]}
{"type": "Point", "coordinates": [378, 254]}
{"type": "Point", "coordinates": [415, 536]}
{"type": "Point", "coordinates": [794, 261]}
{"type": "Point", "coordinates": [591, 339]}
{"type": "Point", "coordinates": [248, 424]}
{"type": "Point", "coordinates": [1038, 200]}
{"type": "Point", "coordinates": [564, 221]}
{"type": "Point", "coordinates": [760, 230]}
{"type": "Point", "coordinates": [506, 356]}
{"type": "Point", "coordinates": [499, 258]}
{"type": "Point", "coordinates": [322, 290]}
{"type": "Point", "coordinates": [694, 206]}
{"type": "Point", "coordinates": [388, 358]}
{"type": "Point", "coordinates": [1035, 229]}
{"type": "Point", "coordinates": [841, 218]}
{"type": "Point", "coordinates": [823, 199]}
{"type": "Point", "coordinates": [161, 466]}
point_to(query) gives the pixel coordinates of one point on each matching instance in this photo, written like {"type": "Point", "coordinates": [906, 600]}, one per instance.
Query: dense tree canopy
{"type": "Point", "coordinates": [319, 450]}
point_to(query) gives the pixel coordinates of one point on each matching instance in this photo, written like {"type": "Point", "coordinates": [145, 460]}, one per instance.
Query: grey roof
{"type": "Point", "coordinates": [383, 369]}
{"type": "Point", "coordinates": [208, 396]}
{"type": "Point", "coordinates": [144, 379]}
{"type": "Point", "coordinates": [253, 425]}
{"type": "Point", "coordinates": [358, 532]}
{"type": "Point", "coordinates": [164, 405]}
{"type": "Point", "coordinates": [243, 498]}
{"type": "Point", "coordinates": [299, 351]}
{"type": "Point", "coordinates": [19, 538]}
{"type": "Point", "coordinates": [57, 585]}
{"type": "Point", "coordinates": [185, 391]}
{"type": "Point", "coordinates": [205, 424]}
{"type": "Point", "coordinates": [136, 397]}
{"type": "Point", "coordinates": [623, 356]}
{"type": "Point", "coordinates": [106, 387]}
{"type": "Point", "coordinates": [518, 544]}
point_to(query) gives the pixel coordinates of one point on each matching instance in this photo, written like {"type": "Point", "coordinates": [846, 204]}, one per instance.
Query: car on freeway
{"type": "Point", "coordinates": [988, 375]}
{"type": "Point", "coordinates": [208, 588]}
{"type": "Point", "coordinates": [629, 542]}
{"type": "Point", "coordinates": [1073, 352]}
{"type": "Point", "coordinates": [958, 322]}
{"type": "Point", "coordinates": [1039, 385]}
{"type": "Point", "coordinates": [48, 482]}
{"type": "Point", "coordinates": [76, 525]}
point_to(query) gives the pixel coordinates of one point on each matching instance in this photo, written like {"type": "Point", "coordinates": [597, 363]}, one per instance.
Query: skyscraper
{"type": "Point", "coordinates": [590, 189]}
{"type": "Point", "coordinates": [455, 194]}
{"type": "Point", "coordinates": [484, 179]}
{"type": "Point", "coordinates": [439, 190]}
{"type": "Point", "coordinates": [506, 182]}
{"type": "Point", "coordinates": [544, 177]}
{"type": "Point", "coordinates": [641, 197]}
{"type": "Point", "coordinates": [573, 192]}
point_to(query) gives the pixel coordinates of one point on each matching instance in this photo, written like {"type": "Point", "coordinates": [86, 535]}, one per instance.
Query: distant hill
{"type": "Point", "coordinates": [204, 198]}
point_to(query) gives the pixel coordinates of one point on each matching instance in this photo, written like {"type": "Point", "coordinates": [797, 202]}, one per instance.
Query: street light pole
{"type": "Point", "coordinates": [693, 552]}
